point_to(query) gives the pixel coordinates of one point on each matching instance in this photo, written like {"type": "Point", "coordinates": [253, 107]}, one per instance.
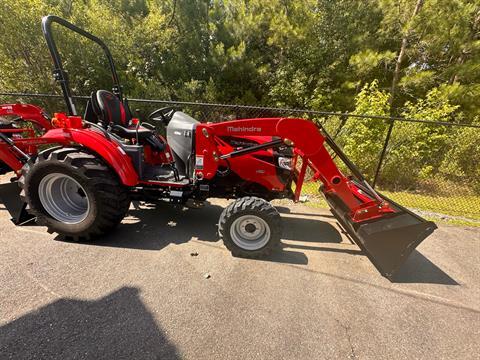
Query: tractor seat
{"type": "Point", "coordinates": [131, 133]}
{"type": "Point", "coordinates": [110, 111]}
{"type": "Point", "coordinates": [144, 136]}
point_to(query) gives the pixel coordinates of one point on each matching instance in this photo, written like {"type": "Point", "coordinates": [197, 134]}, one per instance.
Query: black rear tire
{"type": "Point", "coordinates": [262, 218]}
{"type": "Point", "coordinates": [108, 199]}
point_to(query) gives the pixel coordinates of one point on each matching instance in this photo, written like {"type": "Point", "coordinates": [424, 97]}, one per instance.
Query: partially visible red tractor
{"type": "Point", "coordinates": [82, 184]}
{"type": "Point", "coordinates": [19, 121]}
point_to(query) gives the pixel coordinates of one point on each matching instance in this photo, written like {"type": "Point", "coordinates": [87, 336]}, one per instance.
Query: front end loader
{"type": "Point", "coordinates": [18, 122]}
{"type": "Point", "coordinates": [81, 185]}
{"type": "Point", "coordinates": [383, 229]}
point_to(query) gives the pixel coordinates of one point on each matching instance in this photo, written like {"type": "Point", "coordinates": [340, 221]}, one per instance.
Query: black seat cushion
{"type": "Point", "coordinates": [109, 109]}
{"type": "Point", "coordinates": [144, 136]}
{"type": "Point", "coordinates": [131, 133]}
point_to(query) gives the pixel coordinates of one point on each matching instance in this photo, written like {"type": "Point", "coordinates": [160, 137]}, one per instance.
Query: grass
{"type": "Point", "coordinates": [454, 210]}
{"type": "Point", "coordinates": [464, 206]}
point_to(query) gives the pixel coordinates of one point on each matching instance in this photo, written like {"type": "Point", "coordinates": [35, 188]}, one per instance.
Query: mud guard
{"type": "Point", "coordinates": [10, 197]}
{"type": "Point", "coordinates": [387, 241]}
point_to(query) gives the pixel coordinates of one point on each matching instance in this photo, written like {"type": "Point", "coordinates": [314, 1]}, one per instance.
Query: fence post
{"type": "Point", "coordinates": [343, 120]}
{"type": "Point", "coordinates": [384, 150]}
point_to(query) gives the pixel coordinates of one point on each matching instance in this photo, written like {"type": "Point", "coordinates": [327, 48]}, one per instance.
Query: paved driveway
{"type": "Point", "coordinates": [139, 293]}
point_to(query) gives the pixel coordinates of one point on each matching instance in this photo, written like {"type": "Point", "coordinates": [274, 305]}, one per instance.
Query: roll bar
{"type": "Point", "coordinates": [59, 73]}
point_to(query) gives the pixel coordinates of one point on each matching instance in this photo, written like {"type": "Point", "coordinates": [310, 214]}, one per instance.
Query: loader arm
{"type": "Point", "coordinates": [28, 113]}
{"type": "Point", "coordinates": [308, 143]}
{"type": "Point", "coordinates": [383, 229]}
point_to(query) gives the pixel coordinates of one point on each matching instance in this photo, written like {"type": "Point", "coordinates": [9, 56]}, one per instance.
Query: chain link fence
{"type": "Point", "coordinates": [424, 165]}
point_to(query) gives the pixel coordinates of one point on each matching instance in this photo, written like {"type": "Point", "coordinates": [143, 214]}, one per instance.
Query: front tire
{"type": "Point", "coordinates": [250, 227]}
{"type": "Point", "coordinates": [74, 194]}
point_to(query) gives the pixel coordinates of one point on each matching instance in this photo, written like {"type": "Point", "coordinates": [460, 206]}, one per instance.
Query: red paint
{"type": "Point", "coordinates": [96, 142]}
{"type": "Point", "coordinates": [305, 138]}
{"type": "Point", "coordinates": [308, 144]}
{"type": "Point", "coordinates": [27, 112]}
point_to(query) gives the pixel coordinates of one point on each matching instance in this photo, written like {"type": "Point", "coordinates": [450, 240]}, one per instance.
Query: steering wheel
{"type": "Point", "coordinates": [164, 114]}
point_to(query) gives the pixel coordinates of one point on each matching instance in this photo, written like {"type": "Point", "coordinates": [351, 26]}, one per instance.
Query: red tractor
{"type": "Point", "coordinates": [81, 185]}
{"type": "Point", "coordinates": [19, 121]}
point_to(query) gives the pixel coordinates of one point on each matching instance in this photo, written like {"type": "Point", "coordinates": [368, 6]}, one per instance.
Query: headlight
{"type": "Point", "coordinates": [285, 162]}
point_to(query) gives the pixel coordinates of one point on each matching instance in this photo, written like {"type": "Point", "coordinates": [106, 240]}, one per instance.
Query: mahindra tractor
{"type": "Point", "coordinates": [79, 177]}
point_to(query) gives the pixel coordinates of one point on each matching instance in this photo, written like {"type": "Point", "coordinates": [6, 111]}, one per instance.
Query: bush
{"type": "Point", "coordinates": [417, 150]}
{"type": "Point", "coordinates": [362, 139]}
{"type": "Point", "coordinates": [461, 162]}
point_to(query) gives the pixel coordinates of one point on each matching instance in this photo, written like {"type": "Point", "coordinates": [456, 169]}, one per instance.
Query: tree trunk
{"type": "Point", "coordinates": [401, 54]}
{"type": "Point", "coordinates": [393, 90]}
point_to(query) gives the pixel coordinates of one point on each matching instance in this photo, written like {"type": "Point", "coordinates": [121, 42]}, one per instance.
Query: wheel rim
{"type": "Point", "coordinates": [63, 198]}
{"type": "Point", "coordinates": [250, 232]}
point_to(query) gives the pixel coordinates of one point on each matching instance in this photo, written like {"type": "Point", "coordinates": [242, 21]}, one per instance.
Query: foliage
{"type": "Point", "coordinates": [363, 138]}
{"type": "Point", "coordinates": [416, 150]}
{"type": "Point", "coordinates": [315, 54]}
{"type": "Point", "coordinates": [461, 161]}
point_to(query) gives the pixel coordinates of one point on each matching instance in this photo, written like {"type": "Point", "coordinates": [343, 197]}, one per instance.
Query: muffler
{"type": "Point", "coordinates": [387, 241]}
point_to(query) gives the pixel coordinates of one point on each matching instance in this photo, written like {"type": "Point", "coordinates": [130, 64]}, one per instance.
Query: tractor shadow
{"type": "Point", "coordinates": [287, 210]}
{"type": "Point", "coordinates": [417, 268]}
{"type": "Point", "coordinates": [153, 227]}
{"type": "Point", "coordinates": [116, 326]}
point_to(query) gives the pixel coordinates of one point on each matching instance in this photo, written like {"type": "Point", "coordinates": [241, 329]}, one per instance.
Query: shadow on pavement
{"type": "Point", "coordinates": [418, 269]}
{"type": "Point", "coordinates": [113, 327]}
{"type": "Point", "coordinates": [156, 227]}
{"type": "Point", "coordinates": [286, 210]}
{"type": "Point", "coordinates": [310, 230]}
{"type": "Point", "coordinates": [327, 249]}
{"type": "Point", "coordinates": [153, 228]}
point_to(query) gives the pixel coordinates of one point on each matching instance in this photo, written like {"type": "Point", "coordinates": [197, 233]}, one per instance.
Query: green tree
{"type": "Point", "coordinates": [416, 150]}
{"type": "Point", "coordinates": [363, 139]}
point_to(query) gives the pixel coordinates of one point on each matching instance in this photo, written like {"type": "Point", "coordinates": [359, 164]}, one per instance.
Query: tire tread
{"type": "Point", "coordinates": [250, 204]}
{"type": "Point", "coordinates": [112, 197]}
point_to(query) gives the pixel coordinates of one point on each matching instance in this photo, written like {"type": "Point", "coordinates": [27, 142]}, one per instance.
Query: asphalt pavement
{"type": "Point", "coordinates": [163, 287]}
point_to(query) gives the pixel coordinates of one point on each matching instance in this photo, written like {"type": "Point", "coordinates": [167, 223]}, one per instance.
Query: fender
{"type": "Point", "coordinates": [27, 112]}
{"type": "Point", "coordinates": [108, 150]}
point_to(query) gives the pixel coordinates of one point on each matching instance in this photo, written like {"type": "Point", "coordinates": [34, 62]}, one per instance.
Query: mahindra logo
{"type": "Point", "coordinates": [243, 129]}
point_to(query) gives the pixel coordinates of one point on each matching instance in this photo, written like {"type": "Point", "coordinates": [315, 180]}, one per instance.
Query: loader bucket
{"type": "Point", "coordinates": [10, 197]}
{"type": "Point", "coordinates": [387, 241]}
